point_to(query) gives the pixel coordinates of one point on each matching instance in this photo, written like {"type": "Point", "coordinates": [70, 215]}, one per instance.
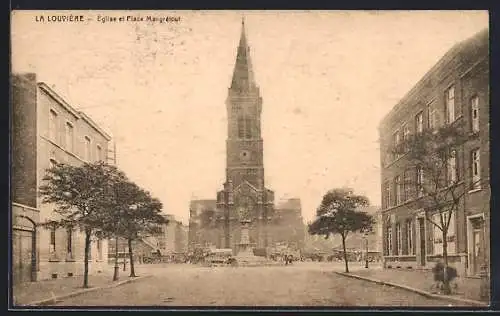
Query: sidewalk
{"type": "Point", "coordinates": [468, 288]}
{"type": "Point", "coordinates": [29, 292]}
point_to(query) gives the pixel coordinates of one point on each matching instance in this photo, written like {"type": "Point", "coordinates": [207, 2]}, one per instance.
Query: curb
{"type": "Point", "coordinates": [55, 299]}
{"type": "Point", "coordinates": [414, 290]}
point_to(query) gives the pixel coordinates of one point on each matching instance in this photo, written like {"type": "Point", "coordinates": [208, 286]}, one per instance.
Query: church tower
{"type": "Point", "coordinates": [244, 191]}
{"type": "Point", "coordinates": [244, 146]}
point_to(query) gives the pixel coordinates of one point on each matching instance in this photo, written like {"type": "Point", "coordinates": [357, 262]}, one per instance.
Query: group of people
{"type": "Point", "coordinates": [288, 259]}
{"type": "Point", "coordinates": [439, 276]}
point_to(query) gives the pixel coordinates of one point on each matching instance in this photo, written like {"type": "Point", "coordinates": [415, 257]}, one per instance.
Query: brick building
{"type": "Point", "coordinates": [455, 89]}
{"type": "Point", "coordinates": [216, 223]}
{"type": "Point", "coordinates": [46, 129]}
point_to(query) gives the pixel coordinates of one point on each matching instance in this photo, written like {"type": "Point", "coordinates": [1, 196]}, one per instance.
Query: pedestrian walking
{"type": "Point", "coordinates": [438, 273]}
{"type": "Point", "coordinates": [439, 276]}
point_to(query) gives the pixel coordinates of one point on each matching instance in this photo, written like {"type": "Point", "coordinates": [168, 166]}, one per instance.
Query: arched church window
{"type": "Point", "coordinates": [241, 127]}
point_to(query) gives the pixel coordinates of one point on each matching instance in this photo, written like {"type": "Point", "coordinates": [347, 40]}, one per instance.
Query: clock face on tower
{"type": "Point", "coordinates": [245, 156]}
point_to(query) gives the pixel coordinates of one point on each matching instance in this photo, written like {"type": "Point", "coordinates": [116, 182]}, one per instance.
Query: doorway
{"type": "Point", "coordinates": [22, 256]}
{"type": "Point", "coordinates": [477, 249]}
{"type": "Point", "coordinates": [421, 229]}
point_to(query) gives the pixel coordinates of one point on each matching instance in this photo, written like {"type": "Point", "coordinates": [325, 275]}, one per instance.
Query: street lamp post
{"type": "Point", "coordinates": [117, 267]}
{"type": "Point", "coordinates": [366, 251]}
{"type": "Point", "coordinates": [124, 257]}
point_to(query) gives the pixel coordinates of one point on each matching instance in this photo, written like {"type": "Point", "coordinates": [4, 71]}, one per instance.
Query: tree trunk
{"type": "Point", "coordinates": [116, 267]}
{"type": "Point", "coordinates": [345, 254]}
{"type": "Point", "coordinates": [446, 282]}
{"type": "Point", "coordinates": [131, 257]}
{"type": "Point", "coordinates": [88, 234]}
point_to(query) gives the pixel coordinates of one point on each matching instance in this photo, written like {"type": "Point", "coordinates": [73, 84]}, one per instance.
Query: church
{"type": "Point", "coordinates": [244, 195]}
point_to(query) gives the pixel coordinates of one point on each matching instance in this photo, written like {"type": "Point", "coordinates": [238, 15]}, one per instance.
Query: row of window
{"type": "Point", "coordinates": [394, 246]}
{"type": "Point", "coordinates": [69, 138]}
{"type": "Point", "coordinates": [69, 244]}
{"type": "Point", "coordinates": [433, 120]}
{"type": "Point", "coordinates": [411, 184]}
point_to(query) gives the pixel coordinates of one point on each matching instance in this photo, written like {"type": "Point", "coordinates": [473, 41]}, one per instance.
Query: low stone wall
{"type": "Point", "coordinates": [406, 262]}
{"type": "Point", "coordinates": [63, 269]}
{"type": "Point", "coordinates": [410, 262]}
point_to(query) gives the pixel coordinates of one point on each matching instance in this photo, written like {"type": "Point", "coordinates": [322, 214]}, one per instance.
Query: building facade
{"type": "Point", "coordinates": [379, 232]}
{"type": "Point", "coordinates": [244, 194]}
{"type": "Point", "coordinates": [455, 89]}
{"type": "Point", "coordinates": [172, 239]}
{"type": "Point", "coordinates": [45, 130]}
{"type": "Point", "coordinates": [181, 238]}
{"type": "Point", "coordinates": [287, 225]}
{"type": "Point", "coordinates": [202, 231]}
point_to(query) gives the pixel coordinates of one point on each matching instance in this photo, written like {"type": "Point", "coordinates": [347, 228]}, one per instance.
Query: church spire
{"type": "Point", "coordinates": [243, 39]}
{"type": "Point", "coordinates": [243, 79]}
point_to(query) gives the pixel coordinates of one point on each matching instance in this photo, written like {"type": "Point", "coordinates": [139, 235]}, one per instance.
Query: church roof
{"type": "Point", "coordinates": [203, 204]}
{"type": "Point", "coordinates": [245, 183]}
{"type": "Point", "coordinates": [293, 203]}
{"type": "Point", "coordinates": [243, 77]}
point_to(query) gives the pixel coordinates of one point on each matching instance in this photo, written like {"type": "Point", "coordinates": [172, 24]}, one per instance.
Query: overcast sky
{"type": "Point", "coordinates": [326, 79]}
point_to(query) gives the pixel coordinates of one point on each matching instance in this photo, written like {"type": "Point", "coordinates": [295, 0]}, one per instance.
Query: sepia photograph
{"type": "Point", "coordinates": [211, 159]}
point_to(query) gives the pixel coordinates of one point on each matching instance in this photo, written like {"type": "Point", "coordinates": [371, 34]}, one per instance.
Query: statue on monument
{"type": "Point", "coordinates": [245, 209]}
{"type": "Point", "coordinates": [244, 213]}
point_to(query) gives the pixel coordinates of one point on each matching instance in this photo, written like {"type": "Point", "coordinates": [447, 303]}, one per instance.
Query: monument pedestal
{"type": "Point", "coordinates": [245, 256]}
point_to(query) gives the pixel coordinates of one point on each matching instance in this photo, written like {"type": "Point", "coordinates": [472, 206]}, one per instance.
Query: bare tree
{"type": "Point", "coordinates": [432, 157]}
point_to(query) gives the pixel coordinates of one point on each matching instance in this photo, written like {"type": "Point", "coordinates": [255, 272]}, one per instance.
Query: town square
{"type": "Point", "coordinates": [250, 159]}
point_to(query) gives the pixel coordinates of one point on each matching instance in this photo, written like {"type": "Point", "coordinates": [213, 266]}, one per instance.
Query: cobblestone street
{"type": "Point", "coordinates": [302, 284]}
